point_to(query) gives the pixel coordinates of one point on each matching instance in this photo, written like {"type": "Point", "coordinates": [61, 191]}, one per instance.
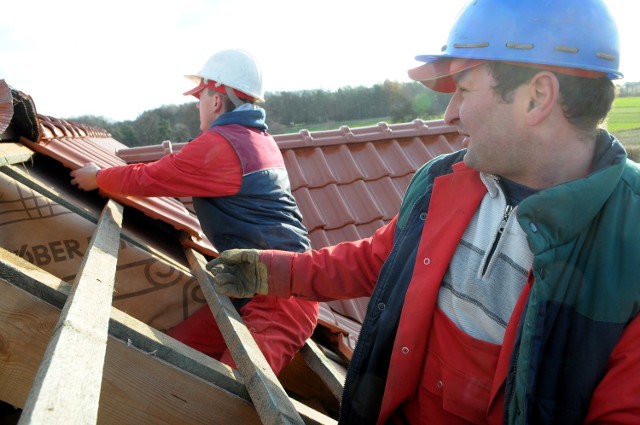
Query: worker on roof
{"type": "Point", "coordinates": [507, 288]}
{"type": "Point", "coordinates": [241, 194]}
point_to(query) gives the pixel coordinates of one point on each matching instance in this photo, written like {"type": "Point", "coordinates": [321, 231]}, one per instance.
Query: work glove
{"type": "Point", "coordinates": [238, 273]}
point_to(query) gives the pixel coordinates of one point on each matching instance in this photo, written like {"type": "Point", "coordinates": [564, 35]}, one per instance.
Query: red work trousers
{"type": "Point", "coordinates": [280, 327]}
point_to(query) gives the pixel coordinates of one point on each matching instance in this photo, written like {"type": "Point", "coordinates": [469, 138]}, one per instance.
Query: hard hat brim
{"type": "Point", "coordinates": [438, 72]}
{"type": "Point", "coordinates": [194, 90]}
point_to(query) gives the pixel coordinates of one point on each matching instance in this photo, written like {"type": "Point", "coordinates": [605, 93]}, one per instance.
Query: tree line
{"type": "Point", "coordinates": [390, 101]}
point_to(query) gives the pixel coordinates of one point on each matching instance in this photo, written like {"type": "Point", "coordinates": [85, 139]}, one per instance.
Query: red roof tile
{"type": "Point", "coordinates": [350, 182]}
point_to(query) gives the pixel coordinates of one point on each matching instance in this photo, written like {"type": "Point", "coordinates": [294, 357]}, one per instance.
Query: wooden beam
{"type": "Point", "coordinates": [323, 368]}
{"type": "Point", "coordinates": [67, 385]}
{"type": "Point", "coordinates": [216, 385]}
{"type": "Point", "coordinates": [272, 403]}
{"type": "Point", "coordinates": [138, 387]}
{"type": "Point", "coordinates": [135, 333]}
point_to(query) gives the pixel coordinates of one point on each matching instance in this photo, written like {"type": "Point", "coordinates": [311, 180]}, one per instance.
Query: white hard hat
{"type": "Point", "coordinates": [235, 68]}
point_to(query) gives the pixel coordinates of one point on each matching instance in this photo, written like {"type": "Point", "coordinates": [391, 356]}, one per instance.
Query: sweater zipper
{"type": "Point", "coordinates": [501, 227]}
{"type": "Point", "coordinates": [505, 218]}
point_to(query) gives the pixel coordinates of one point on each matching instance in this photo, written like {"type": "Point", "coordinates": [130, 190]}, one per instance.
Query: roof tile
{"type": "Point", "coordinates": [315, 168]}
{"type": "Point", "coordinates": [361, 202]}
{"type": "Point", "coordinates": [333, 208]}
{"type": "Point", "coordinates": [63, 141]}
{"type": "Point", "coordinates": [342, 163]}
{"type": "Point", "coordinates": [387, 194]}
{"type": "Point", "coordinates": [367, 158]}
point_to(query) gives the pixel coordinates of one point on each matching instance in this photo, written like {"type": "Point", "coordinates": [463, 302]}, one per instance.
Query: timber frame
{"type": "Point", "coordinates": [68, 356]}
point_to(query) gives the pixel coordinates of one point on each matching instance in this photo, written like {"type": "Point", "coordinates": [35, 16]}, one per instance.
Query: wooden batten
{"type": "Point", "coordinates": [68, 381]}
{"type": "Point", "coordinates": [137, 386]}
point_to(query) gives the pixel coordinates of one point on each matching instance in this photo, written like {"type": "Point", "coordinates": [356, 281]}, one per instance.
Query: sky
{"type": "Point", "coordinates": [119, 58]}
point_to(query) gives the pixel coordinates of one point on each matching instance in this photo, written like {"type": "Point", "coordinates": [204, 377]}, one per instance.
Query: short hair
{"type": "Point", "coordinates": [584, 101]}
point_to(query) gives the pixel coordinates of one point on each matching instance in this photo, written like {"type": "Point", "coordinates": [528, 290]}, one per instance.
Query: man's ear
{"type": "Point", "coordinates": [544, 93]}
{"type": "Point", "coordinates": [218, 102]}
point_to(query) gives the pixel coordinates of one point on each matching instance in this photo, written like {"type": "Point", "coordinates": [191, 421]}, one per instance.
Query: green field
{"type": "Point", "coordinates": [624, 115]}
{"type": "Point", "coordinates": [623, 121]}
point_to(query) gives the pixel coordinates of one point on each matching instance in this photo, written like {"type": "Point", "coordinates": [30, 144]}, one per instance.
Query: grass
{"type": "Point", "coordinates": [624, 115]}
{"type": "Point", "coordinates": [330, 125]}
{"type": "Point", "coordinates": [623, 122]}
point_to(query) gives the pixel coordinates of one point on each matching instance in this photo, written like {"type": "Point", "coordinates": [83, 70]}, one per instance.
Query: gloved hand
{"type": "Point", "coordinates": [238, 273]}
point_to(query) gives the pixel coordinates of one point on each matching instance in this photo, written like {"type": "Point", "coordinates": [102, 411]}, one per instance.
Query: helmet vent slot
{"type": "Point", "coordinates": [566, 49]}
{"type": "Point", "coordinates": [470, 45]}
{"type": "Point", "coordinates": [605, 56]}
{"type": "Point", "coordinates": [520, 46]}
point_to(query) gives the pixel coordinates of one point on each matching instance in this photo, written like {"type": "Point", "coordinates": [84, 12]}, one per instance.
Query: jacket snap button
{"type": "Point", "coordinates": [405, 350]}
{"type": "Point", "coordinates": [423, 216]}
{"type": "Point", "coordinates": [426, 261]}
{"type": "Point", "coordinates": [439, 384]}
{"type": "Point", "coordinates": [380, 306]}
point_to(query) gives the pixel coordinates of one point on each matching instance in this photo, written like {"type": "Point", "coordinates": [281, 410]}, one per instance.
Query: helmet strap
{"type": "Point", "coordinates": [233, 97]}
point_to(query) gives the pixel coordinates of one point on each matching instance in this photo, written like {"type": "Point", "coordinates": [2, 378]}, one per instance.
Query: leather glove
{"type": "Point", "coordinates": [238, 273]}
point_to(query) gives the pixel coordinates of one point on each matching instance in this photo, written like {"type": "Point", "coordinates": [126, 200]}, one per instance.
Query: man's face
{"type": "Point", "coordinates": [493, 129]}
{"type": "Point", "coordinates": [207, 107]}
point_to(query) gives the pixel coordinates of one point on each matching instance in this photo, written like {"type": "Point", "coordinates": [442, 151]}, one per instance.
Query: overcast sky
{"type": "Point", "coordinates": [119, 58]}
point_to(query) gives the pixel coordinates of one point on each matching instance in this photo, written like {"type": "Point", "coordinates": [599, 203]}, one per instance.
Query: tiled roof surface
{"type": "Point", "coordinates": [347, 182]}
{"type": "Point", "coordinates": [350, 182]}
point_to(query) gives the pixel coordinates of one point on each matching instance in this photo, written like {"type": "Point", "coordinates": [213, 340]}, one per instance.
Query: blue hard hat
{"type": "Point", "coordinates": [572, 34]}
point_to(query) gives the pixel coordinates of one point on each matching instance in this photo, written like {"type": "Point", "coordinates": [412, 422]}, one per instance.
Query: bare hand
{"type": "Point", "coordinates": [85, 177]}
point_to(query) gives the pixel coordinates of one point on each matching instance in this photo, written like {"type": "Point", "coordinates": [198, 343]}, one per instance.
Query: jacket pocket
{"type": "Point", "coordinates": [463, 398]}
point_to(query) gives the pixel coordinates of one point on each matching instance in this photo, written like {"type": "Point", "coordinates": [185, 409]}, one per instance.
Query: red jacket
{"type": "Point", "coordinates": [209, 166]}
{"type": "Point", "coordinates": [351, 270]}
{"type": "Point", "coordinates": [206, 166]}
